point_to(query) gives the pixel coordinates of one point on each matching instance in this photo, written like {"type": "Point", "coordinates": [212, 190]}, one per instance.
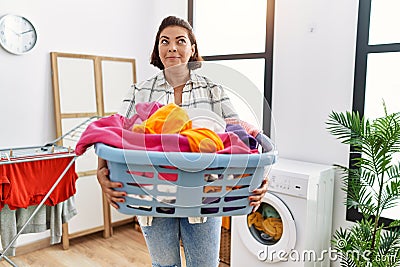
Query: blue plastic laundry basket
{"type": "Point", "coordinates": [176, 184]}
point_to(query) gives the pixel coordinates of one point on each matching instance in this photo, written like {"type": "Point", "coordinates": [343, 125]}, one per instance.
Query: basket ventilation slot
{"type": "Point", "coordinates": [165, 210]}
{"type": "Point", "coordinates": [209, 210]}
{"type": "Point", "coordinates": [211, 200]}
{"type": "Point", "coordinates": [229, 199]}
{"type": "Point", "coordinates": [145, 208]}
{"type": "Point", "coordinates": [141, 174]}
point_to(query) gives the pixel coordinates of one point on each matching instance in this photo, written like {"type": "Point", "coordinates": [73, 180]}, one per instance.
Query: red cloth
{"type": "Point", "coordinates": [25, 184]}
{"type": "Point", "coordinates": [115, 130]}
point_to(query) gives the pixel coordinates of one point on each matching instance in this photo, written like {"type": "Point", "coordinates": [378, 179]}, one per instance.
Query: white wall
{"type": "Point", "coordinates": [314, 55]}
{"type": "Point", "coordinates": [124, 28]}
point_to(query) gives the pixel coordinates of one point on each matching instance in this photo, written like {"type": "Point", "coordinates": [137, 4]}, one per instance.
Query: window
{"type": "Point", "coordinates": [241, 43]}
{"type": "Point", "coordinates": [377, 68]}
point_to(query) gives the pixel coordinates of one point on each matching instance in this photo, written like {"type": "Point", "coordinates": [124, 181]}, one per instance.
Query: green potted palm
{"type": "Point", "coordinates": [372, 184]}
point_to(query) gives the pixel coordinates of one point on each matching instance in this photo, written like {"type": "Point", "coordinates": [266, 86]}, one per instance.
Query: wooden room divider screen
{"type": "Point", "coordinates": [86, 86]}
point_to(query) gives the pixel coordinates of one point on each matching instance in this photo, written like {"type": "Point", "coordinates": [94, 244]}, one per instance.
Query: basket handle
{"type": "Point", "coordinates": [265, 142]}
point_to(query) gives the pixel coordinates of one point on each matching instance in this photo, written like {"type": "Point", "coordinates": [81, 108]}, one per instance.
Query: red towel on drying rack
{"type": "Point", "coordinates": [25, 184]}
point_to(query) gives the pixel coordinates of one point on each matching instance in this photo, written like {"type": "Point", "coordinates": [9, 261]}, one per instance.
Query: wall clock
{"type": "Point", "coordinates": [17, 34]}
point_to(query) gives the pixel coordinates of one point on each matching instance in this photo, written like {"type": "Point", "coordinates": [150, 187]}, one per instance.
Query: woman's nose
{"type": "Point", "coordinates": [172, 48]}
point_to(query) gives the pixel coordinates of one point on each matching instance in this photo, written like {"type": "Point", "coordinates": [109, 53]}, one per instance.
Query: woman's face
{"type": "Point", "coordinates": [174, 46]}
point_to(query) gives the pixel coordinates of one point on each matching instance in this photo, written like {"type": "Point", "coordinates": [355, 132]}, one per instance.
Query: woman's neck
{"type": "Point", "coordinates": [177, 77]}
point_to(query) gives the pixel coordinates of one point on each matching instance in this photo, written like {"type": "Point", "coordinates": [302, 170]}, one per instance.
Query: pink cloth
{"type": "Point", "coordinates": [115, 130]}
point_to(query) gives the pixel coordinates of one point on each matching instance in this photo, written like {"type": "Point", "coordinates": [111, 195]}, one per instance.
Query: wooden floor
{"type": "Point", "coordinates": [125, 248]}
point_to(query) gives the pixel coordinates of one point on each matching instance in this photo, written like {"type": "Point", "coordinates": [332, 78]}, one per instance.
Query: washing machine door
{"type": "Point", "coordinates": [270, 232]}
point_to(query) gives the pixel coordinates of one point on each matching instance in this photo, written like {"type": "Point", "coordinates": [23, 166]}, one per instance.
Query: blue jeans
{"type": "Point", "coordinates": [200, 241]}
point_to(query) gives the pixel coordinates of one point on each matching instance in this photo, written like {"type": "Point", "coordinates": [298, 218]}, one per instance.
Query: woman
{"type": "Point", "coordinates": [176, 54]}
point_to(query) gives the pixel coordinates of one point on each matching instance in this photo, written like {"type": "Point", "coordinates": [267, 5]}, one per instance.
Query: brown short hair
{"type": "Point", "coordinates": [175, 21]}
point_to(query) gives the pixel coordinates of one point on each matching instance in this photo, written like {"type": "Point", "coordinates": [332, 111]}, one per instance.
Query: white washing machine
{"type": "Point", "coordinates": [293, 224]}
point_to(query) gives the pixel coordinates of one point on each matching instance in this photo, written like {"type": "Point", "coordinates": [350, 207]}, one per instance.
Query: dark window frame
{"type": "Point", "coordinates": [267, 55]}
{"type": "Point", "coordinates": [360, 75]}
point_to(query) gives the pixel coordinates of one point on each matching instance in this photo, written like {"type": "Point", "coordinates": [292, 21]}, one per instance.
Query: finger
{"type": "Point", "coordinates": [263, 188]}
{"type": "Point", "coordinates": [110, 184]}
{"type": "Point", "coordinates": [255, 208]}
{"type": "Point", "coordinates": [114, 205]}
{"type": "Point", "coordinates": [102, 177]}
{"type": "Point", "coordinates": [259, 191]}
{"type": "Point", "coordinates": [103, 173]}
{"type": "Point", "coordinates": [106, 183]}
{"type": "Point", "coordinates": [117, 200]}
{"type": "Point", "coordinates": [255, 199]}
{"type": "Point", "coordinates": [255, 203]}
{"type": "Point", "coordinates": [113, 201]}
{"type": "Point", "coordinates": [113, 193]}
{"type": "Point", "coordinates": [264, 184]}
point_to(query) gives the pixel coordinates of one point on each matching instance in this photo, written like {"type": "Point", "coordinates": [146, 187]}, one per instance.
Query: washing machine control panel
{"type": "Point", "coordinates": [287, 183]}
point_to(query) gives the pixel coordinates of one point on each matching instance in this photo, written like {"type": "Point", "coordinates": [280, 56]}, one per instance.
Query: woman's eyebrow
{"type": "Point", "coordinates": [177, 37]}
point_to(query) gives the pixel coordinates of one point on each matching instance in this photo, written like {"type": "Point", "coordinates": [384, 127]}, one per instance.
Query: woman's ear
{"type": "Point", "coordinates": [193, 49]}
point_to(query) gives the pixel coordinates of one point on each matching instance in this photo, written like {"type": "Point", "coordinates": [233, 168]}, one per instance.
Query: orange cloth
{"type": "Point", "coordinates": [169, 119]}
{"type": "Point", "coordinates": [203, 140]}
{"type": "Point", "coordinates": [172, 119]}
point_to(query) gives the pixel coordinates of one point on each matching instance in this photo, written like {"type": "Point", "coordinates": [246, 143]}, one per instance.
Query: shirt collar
{"type": "Point", "coordinates": [161, 78]}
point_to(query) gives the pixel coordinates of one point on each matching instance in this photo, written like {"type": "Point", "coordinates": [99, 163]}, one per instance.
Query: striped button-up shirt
{"type": "Point", "coordinates": [198, 92]}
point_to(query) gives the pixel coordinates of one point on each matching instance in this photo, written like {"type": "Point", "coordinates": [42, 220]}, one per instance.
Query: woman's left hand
{"type": "Point", "coordinates": [258, 195]}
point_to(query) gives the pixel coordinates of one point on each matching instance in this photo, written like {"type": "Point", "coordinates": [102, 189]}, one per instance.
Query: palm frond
{"type": "Point", "coordinates": [356, 177]}
{"type": "Point", "coordinates": [347, 127]}
{"type": "Point", "coordinates": [369, 163]}
{"type": "Point", "coordinates": [382, 159]}
{"type": "Point", "coordinates": [390, 195]}
{"type": "Point", "coordinates": [389, 240]}
{"type": "Point", "coordinates": [346, 261]}
{"type": "Point", "coordinates": [387, 130]}
{"type": "Point", "coordinates": [389, 249]}
{"type": "Point", "coordinates": [341, 239]}
{"type": "Point", "coordinates": [364, 201]}
{"type": "Point", "coordinates": [367, 178]}
{"type": "Point", "coordinates": [393, 172]}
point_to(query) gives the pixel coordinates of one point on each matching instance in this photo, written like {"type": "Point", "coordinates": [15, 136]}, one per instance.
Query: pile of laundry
{"type": "Point", "coordinates": [268, 221]}
{"type": "Point", "coordinates": [170, 128]}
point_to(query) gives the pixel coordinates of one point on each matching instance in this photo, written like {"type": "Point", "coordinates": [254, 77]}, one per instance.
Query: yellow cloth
{"type": "Point", "coordinates": [255, 218]}
{"type": "Point", "coordinates": [271, 226]}
{"type": "Point", "coordinates": [172, 119]}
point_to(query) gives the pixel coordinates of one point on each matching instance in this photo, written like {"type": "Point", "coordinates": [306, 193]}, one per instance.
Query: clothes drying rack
{"type": "Point", "coordinates": [49, 151]}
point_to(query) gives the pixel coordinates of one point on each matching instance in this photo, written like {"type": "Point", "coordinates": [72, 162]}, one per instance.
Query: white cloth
{"type": "Point", "coordinates": [205, 118]}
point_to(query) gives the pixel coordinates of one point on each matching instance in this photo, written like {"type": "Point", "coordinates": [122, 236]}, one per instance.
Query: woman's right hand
{"type": "Point", "coordinates": [107, 186]}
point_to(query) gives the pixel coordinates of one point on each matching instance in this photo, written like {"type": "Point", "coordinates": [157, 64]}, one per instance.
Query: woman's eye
{"type": "Point", "coordinates": [182, 41]}
{"type": "Point", "coordinates": [164, 41]}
